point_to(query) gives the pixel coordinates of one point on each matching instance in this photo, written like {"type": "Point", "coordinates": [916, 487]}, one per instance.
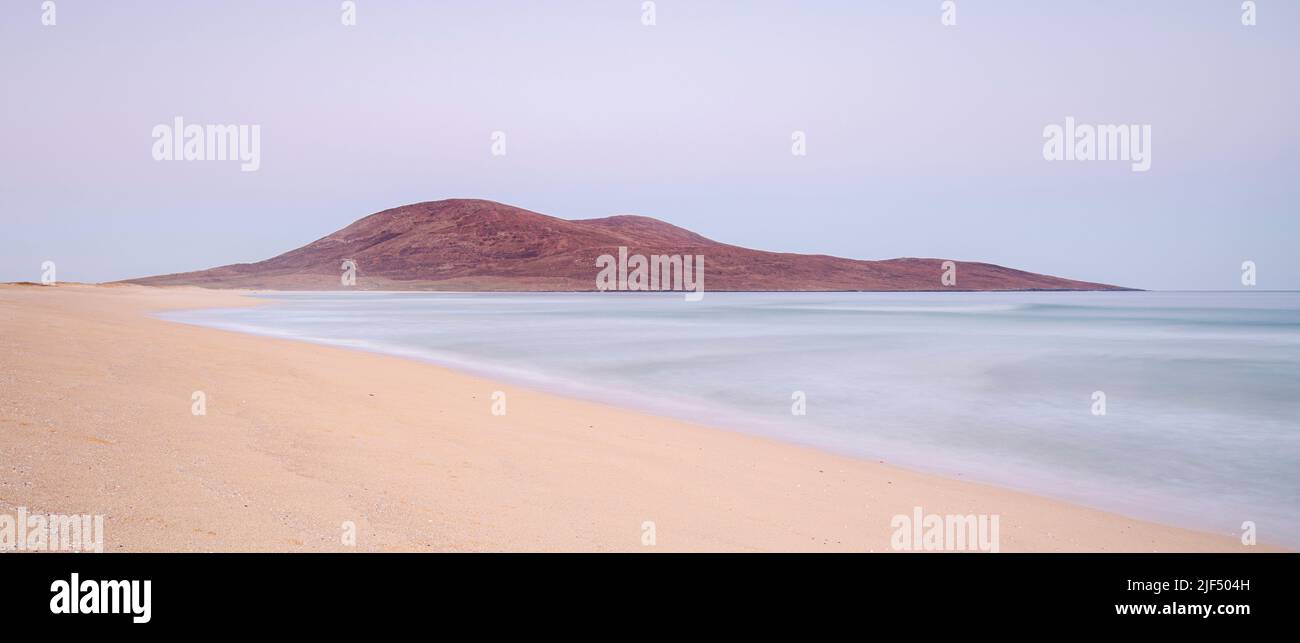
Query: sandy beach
{"type": "Point", "coordinates": [298, 439]}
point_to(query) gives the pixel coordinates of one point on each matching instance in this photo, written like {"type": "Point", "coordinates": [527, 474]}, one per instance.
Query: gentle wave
{"type": "Point", "coordinates": [1200, 428]}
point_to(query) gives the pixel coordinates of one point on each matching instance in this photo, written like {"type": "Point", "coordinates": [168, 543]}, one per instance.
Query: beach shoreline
{"type": "Point", "coordinates": [301, 439]}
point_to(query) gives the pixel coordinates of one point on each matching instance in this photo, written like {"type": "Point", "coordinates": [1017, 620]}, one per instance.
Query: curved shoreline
{"type": "Point", "coordinates": [300, 438]}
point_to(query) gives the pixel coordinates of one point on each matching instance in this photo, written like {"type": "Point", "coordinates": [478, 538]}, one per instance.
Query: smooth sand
{"type": "Point", "coordinates": [95, 417]}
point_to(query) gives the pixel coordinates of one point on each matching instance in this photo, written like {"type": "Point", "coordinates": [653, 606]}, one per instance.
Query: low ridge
{"type": "Point", "coordinates": [473, 244]}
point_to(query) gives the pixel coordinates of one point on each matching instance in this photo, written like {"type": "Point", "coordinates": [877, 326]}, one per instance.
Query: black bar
{"type": "Point", "coordinates": [395, 589]}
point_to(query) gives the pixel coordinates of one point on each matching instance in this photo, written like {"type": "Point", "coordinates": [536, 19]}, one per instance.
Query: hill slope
{"type": "Point", "coordinates": [470, 244]}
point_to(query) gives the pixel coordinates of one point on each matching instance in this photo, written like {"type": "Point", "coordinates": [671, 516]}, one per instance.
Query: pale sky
{"type": "Point", "coordinates": [922, 139]}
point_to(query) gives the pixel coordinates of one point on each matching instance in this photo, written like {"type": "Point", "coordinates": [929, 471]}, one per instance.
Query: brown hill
{"type": "Point", "coordinates": [470, 244]}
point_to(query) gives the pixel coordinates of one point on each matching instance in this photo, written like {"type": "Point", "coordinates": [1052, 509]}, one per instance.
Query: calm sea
{"type": "Point", "coordinates": [1201, 390]}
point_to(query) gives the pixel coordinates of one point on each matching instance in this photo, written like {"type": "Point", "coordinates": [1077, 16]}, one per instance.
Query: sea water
{"type": "Point", "coordinates": [1181, 407]}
